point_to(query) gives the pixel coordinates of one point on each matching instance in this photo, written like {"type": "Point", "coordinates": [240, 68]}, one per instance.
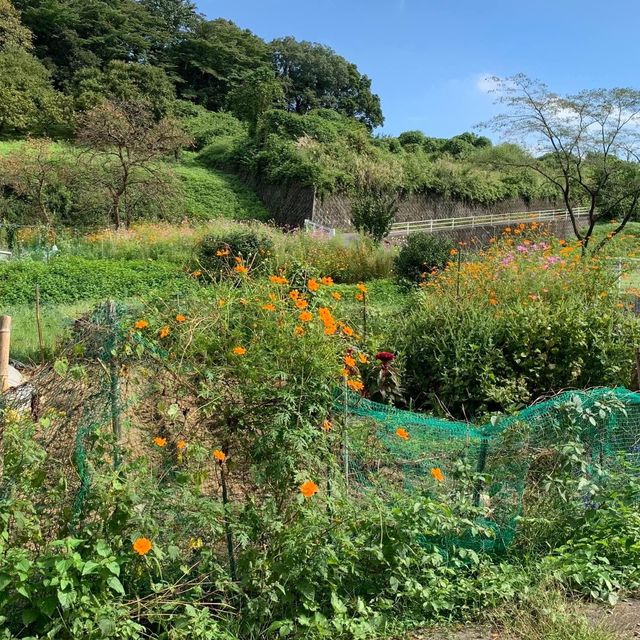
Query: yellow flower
{"type": "Point", "coordinates": [298, 331]}
{"type": "Point", "coordinates": [363, 358]}
{"type": "Point", "coordinates": [164, 332]}
{"type": "Point", "coordinates": [239, 351]}
{"type": "Point", "coordinates": [327, 426]}
{"type": "Point", "coordinates": [142, 546]}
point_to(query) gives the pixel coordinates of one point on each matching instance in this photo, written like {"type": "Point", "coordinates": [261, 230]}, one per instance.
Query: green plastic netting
{"type": "Point", "coordinates": [500, 457]}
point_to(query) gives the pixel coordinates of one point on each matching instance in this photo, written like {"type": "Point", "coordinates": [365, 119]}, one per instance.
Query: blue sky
{"type": "Point", "coordinates": [427, 58]}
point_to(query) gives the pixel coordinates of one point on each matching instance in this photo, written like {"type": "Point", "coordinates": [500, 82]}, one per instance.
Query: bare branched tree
{"type": "Point", "coordinates": [587, 145]}
{"type": "Point", "coordinates": [126, 143]}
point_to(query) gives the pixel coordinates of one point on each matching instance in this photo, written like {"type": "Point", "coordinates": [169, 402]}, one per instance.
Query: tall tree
{"type": "Point", "coordinates": [12, 31]}
{"type": "Point", "coordinates": [586, 145]}
{"type": "Point", "coordinates": [72, 34]}
{"type": "Point", "coordinates": [124, 143]}
{"type": "Point", "coordinates": [215, 59]}
{"type": "Point", "coordinates": [125, 82]}
{"type": "Point", "coordinates": [258, 92]}
{"type": "Point", "coordinates": [314, 76]}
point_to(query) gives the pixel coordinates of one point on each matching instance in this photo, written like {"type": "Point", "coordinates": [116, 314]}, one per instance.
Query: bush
{"type": "Point", "coordinates": [373, 213]}
{"type": "Point", "coordinates": [422, 254]}
{"type": "Point", "coordinates": [513, 325]}
{"type": "Point", "coordinates": [247, 247]}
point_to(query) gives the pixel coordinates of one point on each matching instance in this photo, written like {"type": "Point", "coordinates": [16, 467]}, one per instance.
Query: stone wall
{"type": "Point", "coordinates": [335, 210]}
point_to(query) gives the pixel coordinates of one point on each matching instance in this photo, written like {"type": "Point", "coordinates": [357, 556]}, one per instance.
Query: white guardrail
{"type": "Point", "coordinates": [314, 227]}
{"type": "Point", "coordinates": [497, 219]}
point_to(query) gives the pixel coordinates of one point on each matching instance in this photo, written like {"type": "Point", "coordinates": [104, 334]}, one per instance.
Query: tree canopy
{"type": "Point", "coordinates": [314, 76]}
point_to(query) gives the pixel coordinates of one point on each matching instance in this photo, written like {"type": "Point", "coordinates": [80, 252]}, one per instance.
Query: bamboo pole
{"type": "Point", "coordinates": [39, 324]}
{"type": "Point", "coordinates": [5, 342]}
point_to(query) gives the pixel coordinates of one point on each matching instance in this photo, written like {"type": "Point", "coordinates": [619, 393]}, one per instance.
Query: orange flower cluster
{"type": "Point", "coordinates": [308, 488]}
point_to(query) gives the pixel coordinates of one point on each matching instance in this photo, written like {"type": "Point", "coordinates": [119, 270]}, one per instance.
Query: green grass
{"type": "Point", "coordinates": [214, 194]}
{"type": "Point", "coordinates": [56, 322]}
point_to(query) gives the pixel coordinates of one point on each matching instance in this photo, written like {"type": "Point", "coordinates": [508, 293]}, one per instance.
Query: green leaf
{"type": "Point", "coordinates": [116, 585]}
{"type": "Point", "coordinates": [114, 567]}
{"type": "Point", "coordinates": [89, 567]}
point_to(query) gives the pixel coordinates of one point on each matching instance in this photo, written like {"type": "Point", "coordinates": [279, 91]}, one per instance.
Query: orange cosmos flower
{"type": "Point", "coordinates": [363, 358]}
{"type": "Point", "coordinates": [164, 332]}
{"type": "Point", "coordinates": [278, 280]}
{"type": "Point", "coordinates": [355, 385]}
{"type": "Point", "coordinates": [313, 285]}
{"type": "Point", "coordinates": [308, 488]}
{"type": "Point", "coordinates": [437, 474]}
{"type": "Point", "coordinates": [330, 329]}
{"type": "Point", "coordinates": [221, 253]}
{"type": "Point", "coordinates": [220, 456]}
{"type": "Point", "coordinates": [180, 445]}
{"type": "Point", "coordinates": [197, 274]}
{"type": "Point", "coordinates": [269, 307]}
{"type": "Point", "coordinates": [327, 281]}
{"type": "Point", "coordinates": [362, 287]}
{"type": "Point", "coordinates": [306, 316]}
{"type": "Point", "coordinates": [327, 426]}
{"type": "Point", "coordinates": [336, 295]}
{"type": "Point", "coordinates": [239, 351]}
{"type": "Point", "coordinates": [160, 442]}
{"type": "Point", "coordinates": [298, 331]}
{"type": "Point", "coordinates": [241, 269]}
{"type": "Point", "coordinates": [238, 259]}
{"type": "Point", "coordinates": [301, 304]}
{"type": "Point", "coordinates": [453, 252]}
{"type": "Point", "coordinates": [402, 433]}
{"type": "Point", "coordinates": [294, 295]}
{"type": "Point", "coordinates": [493, 301]}
{"type": "Point", "coordinates": [181, 318]}
{"type": "Point", "coordinates": [142, 546]}
{"type": "Point", "coordinates": [348, 331]}
{"type": "Point", "coordinates": [141, 324]}
{"type": "Point", "coordinates": [359, 296]}
{"type": "Point", "coordinates": [350, 361]}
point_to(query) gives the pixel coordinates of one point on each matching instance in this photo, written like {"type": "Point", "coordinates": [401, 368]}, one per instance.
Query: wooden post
{"type": "Point", "coordinates": [5, 342]}
{"type": "Point", "coordinates": [114, 381]}
{"type": "Point", "coordinates": [39, 324]}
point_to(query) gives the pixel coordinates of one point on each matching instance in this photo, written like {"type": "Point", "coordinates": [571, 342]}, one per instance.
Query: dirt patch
{"type": "Point", "coordinates": [623, 619]}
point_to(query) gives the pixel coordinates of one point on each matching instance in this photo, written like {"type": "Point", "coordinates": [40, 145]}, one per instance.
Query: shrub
{"type": "Point", "coordinates": [373, 213]}
{"type": "Point", "coordinates": [519, 322]}
{"type": "Point", "coordinates": [422, 254]}
{"type": "Point", "coordinates": [248, 247]}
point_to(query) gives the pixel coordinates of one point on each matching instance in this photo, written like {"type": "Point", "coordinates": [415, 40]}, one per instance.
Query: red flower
{"type": "Point", "coordinates": [385, 357]}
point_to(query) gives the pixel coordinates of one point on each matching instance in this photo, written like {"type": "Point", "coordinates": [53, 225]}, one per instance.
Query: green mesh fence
{"type": "Point", "coordinates": [489, 465]}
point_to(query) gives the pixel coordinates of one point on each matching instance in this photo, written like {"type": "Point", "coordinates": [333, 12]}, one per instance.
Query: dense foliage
{"type": "Point", "coordinates": [421, 256]}
{"type": "Point", "coordinates": [498, 330]}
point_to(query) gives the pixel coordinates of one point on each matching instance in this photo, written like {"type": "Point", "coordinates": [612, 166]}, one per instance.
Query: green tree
{"type": "Point", "coordinates": [258, 92]}
{"type": "Point", "coordinates": [125, 82]}
{"type": "Point", "coordinates": [587, 146]}
{"type": "Point", "coordinates": [214, 59]}
{"type": "Point", "coordinates": [28, 103]}
{"type": "Point", "coordinates": [73, 34]}
{"type": "Point", "coordinates": [314, 76]}
{"type": "Point", "coordinates": [12, 31]}
{"type": "Point", "coordinates": [373, 212]}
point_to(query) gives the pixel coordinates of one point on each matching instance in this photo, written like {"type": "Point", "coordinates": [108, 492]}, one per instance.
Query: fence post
{"type": "Point", "coordinates": [39, 324]}
{"type": "Point", "coordinates": [5, 343]}
{"type": "Point", "coordinates": [114, 382]}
